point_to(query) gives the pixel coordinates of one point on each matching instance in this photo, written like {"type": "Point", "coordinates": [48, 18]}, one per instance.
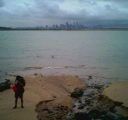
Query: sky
{"type": "Point", "coordinates": [41, 12]}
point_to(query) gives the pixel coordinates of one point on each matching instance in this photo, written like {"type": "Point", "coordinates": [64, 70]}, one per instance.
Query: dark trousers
{"type": "Point", "coordinates": [19, 95]}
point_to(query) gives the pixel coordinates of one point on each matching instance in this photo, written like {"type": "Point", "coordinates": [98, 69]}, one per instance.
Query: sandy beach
{"type": "Point", "coordinates": [39, 88]}
{"type": "Point", "coordinates": [52, 98]}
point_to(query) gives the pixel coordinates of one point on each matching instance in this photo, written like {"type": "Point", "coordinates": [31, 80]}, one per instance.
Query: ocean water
{"type": "Point", "coordinates": [103, 54]}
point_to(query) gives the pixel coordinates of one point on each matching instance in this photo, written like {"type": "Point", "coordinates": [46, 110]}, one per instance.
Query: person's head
{"type": "Point", "coordinates": [18, 77]}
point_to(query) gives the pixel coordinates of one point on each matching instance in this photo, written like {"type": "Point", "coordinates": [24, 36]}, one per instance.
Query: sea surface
{"type": "Point", "coordinates": [103, 54]}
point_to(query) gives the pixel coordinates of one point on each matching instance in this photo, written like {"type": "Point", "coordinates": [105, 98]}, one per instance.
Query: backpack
{"type": "Point", "coordinates": [21, 80]}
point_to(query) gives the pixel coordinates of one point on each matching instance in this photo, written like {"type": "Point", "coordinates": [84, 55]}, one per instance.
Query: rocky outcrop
{"type": "Point", "coordinates": [48, 111]}
{"type": "Point", "coordinates": [89, 104]}
{"type": "Point", "coordinates": [93, 105]}
{"type": "Point", "coordinates": [55, 92]}
{"type": "Point", "coordinates": [5, 85]}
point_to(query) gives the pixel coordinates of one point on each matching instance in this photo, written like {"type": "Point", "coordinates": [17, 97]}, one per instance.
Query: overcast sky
{"type": "Point", "coordinates": [41, 12]}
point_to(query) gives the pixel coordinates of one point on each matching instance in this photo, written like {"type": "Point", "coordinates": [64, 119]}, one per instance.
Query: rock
{"type": "Point", "coordinates": [52, 56]}
{"type": "Point", "coordinates": [48, 111]}
{"type": "Point", "coordinates": [98, 87]}
{"type": "Point", "coordinates": [117, 103]}
{"type": "Point", "coordinates": [77, 93]}
{"type": "Point", "coordinates": [81, 106]}
{"type": "Point", "coordinates": [35, 74]}
{"type": "Point", "coordinates": [82, 116]}
{"type": "Point", "coordinates": [5, 85]}
{"type": "Point", "coordinates": [112, 116]}
{"type": "Point", "coordinates": [94, 105]}
{"type": "Point", "coordinates": [95, 114]}
{"type": "Point", "coordinates": [88, 101]}
{"type": "Point", "coordinates": [89, 77]}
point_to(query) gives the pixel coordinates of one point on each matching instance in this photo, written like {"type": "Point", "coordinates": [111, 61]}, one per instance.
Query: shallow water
{"type": "Point", "coordinates": [98, 53]}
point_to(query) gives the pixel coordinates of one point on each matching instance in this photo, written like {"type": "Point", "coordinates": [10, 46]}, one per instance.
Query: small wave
{"type": "Point", "coordinates": [56, 67]}
{"type": "Point", "coordinates": [49, 67]}
{"type": "Point", "coordinates": [53, 67]}
{"type": "Point", "coordinates": [76, 67]}
{"type": "Point", "coordinates": [31, 68]}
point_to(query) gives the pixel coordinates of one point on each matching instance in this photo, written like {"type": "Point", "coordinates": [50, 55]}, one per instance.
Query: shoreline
{"type": "Point", "coordinates": [82, 70]}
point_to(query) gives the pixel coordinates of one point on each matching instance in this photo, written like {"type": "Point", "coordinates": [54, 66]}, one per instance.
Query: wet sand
{"type": "Point", "coordinates": [118, 92]}
{"type": "Point", "coordinates": [39, 88]}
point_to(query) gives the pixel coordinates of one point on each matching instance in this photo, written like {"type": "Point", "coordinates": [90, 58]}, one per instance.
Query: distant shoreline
{"type": "Point", "coordinates": [69, 30]}
{"type": "Point", "coordinates": [50, 29]}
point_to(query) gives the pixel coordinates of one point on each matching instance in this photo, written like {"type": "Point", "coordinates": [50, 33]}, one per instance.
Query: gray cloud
{"type": "Point", "coordinates": [1, 3]}
{"type": "Point", "coordinates": [37, 12]}
{"type": "Point", "coordinates": [118, 8]}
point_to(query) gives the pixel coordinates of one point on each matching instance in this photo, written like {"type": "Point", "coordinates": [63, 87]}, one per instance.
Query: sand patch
{"type": "Point", "coordinates": [118, 92]}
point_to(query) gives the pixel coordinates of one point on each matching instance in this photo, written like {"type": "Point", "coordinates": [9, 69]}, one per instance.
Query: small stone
{"type": "Point", "coordinates": [77, 93]}
{"type": "Point", "coordinates": [81, 106]}
{"type": "Point", "coordinates": [89, 77]}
